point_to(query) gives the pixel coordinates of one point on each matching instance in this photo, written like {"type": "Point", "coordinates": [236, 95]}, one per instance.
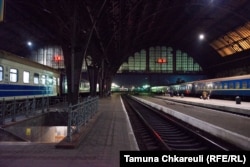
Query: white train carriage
{"type": "Point", "coordinates": [22, 78]}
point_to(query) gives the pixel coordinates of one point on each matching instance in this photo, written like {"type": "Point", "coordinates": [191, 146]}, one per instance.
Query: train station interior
{"type": "Point", "coordinates": [111, 47]}
{"type": "Point", "coordinates": [207, 38]}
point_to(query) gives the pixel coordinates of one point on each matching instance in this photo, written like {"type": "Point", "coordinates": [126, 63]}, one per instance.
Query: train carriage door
{"type": "Point", "coordinates": [55, 86]}
{"type": "Point", "coordinates": [189, 88]}
{"type": "Point", "coordinates": [43, 80]}
{"type": "Point", "coordinates": [50, 86]}
{"type": "Point", "coordinates": [36, 78]}
{"type": "Point", "coordinates": [5, 73]}
{"type": "Point", "coordinates": [194, 87]}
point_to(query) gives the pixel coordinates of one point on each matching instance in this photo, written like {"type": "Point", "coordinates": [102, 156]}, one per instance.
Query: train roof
{"type": "Point", "coordinates": [25, 61]}
{"type": "Point", "coordinates": [240, 77]}
{"type": "Point", "coordinates": [226, 78]}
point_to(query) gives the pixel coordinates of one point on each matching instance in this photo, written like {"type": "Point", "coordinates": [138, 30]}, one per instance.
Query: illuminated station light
{"type": "Point", "coordinates": [29, 43]}
{"type": "Point", "coordinates": [146, 86]}
{"type": "Point", "coordinates": [161, 60]}
{"type": "Point", "coordinates": [114, 85]}
{"type": "Point", "coordinates": [201, 36]}
{"type": "Point", "coordinates": [57, 58]}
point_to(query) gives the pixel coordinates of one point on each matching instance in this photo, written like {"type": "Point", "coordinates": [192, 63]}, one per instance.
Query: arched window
{"type": "Point", "coordinates": [161, 59]}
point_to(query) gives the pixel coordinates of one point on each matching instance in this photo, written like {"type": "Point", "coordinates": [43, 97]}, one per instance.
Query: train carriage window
{"type": "Point", "coordinates": [26, 77]}
{"type": "Point", "coordinates": [1, 73]}
{"type": "Point", "coordinates": [215, 86]}
{"type": "Point", "coordinates": [13, 75]}
{"type": "Point", "coordinates": [209, 85]}
{"type": "Point", "coordinates": [225, 85]}
{"type": "Point", "coordinates": [244, 85]}
{"type": "Point", "coordinates": [49, 80]}
{"type": "Point", "coordinates": [43, 79]}
{"type": "Point", "coordinates": [36, 78]}
{"type": "Point", "coordinates": [231, 85]}
{"type": "Point", "coordinates": [237, 85]}
{"type": "Point", "coordinates": [220, 86]}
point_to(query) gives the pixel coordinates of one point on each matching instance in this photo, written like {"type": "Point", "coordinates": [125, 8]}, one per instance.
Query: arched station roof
{"type": "Point", "coordinates": [115, 29]}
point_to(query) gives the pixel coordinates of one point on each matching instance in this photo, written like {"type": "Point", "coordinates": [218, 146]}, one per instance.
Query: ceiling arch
{"type": "Point", "coordinates": [115, 29]}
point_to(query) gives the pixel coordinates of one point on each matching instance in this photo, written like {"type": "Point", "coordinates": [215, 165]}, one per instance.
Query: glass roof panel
{"type": "Point", "coordinates": [243, 31]}
{"type": "Point", "coordinates": [233, 41]}
{"type": "Point", "coordinates": [244, 44]}
{"type": "Point", "coordinates": [234, 36]}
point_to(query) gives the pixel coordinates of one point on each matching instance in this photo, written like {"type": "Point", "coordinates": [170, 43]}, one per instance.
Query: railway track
{"type": "Point", "coordinates": [157, 131]}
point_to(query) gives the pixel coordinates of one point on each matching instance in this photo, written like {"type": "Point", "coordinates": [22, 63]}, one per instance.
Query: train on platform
{"type": "Point", "coordinates": [159, 90]}
{"type": "Point", "coordinates": [22, 78]}
{"type": "Point", "coordinates": [224, 88]}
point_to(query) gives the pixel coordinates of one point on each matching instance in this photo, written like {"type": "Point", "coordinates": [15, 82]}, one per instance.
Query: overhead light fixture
{"type": "Point", "coordinates": [29, 43]}
{"type": "Point", "coordinates": [201, 36]}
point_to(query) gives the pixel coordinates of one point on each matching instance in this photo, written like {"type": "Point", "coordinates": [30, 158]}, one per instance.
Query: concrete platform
{"type": "Point", "coordinates": [227, 105]}
{"type": "Point", "coordinates": [230, 127]}
{"type": "Point", "coordinates": [107, 135]}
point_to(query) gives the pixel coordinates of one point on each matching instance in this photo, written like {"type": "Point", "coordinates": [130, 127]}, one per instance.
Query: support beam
{"type": "Point", "coordinates": [93, 77]}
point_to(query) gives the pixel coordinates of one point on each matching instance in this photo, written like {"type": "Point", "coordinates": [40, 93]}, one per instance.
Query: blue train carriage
{"type": "Point", "coordinates": [22, 78]}
{"type": "Point", "coordinates": [185, 89]}
{"type": "Point", "coordinates": [228, 87]}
